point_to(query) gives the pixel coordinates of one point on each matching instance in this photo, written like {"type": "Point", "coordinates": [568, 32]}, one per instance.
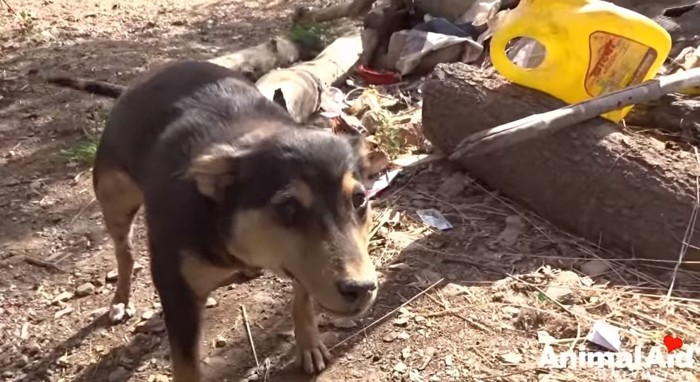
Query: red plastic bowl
{"type": "Point", "coordinates": [374, 77]}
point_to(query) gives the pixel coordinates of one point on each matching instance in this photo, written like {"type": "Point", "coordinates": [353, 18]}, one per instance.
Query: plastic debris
{"type": "Point", "coordinates": [332, 102]}
{"type": "Point", "coordinates": [408, 47]}
{"type": "Point", "coordinates": [605, 335]}
{"type": "Point", "coordinates": [434, 219]}
{"type": "Point", "coordinates": [382, 182]}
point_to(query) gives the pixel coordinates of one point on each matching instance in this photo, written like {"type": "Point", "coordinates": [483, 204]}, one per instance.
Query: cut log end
{"type": "Point", "coordinates": [299, 88]}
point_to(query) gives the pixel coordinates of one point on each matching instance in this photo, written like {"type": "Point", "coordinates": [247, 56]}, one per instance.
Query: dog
{"type": "Point", "coordinates": [230, 182]}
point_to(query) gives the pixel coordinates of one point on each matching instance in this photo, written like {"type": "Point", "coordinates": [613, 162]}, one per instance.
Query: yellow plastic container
{"type": "Point", "coordinates": [593, 47]}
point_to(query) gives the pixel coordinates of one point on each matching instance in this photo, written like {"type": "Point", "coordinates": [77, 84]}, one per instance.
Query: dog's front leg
{"type": "Point", "coordinates": [312, 354]}
{"type": "Point", "coordinates": [182, 311]}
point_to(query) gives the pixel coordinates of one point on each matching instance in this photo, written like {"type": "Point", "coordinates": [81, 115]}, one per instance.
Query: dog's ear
{"type": "Point", "coordinates": [214, 170]}
{"type": "Point", "coordinates": [359, 145]}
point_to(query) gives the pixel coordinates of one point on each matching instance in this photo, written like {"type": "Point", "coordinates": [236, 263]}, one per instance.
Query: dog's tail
{"type": "Point", "coordinates": [91, 86]}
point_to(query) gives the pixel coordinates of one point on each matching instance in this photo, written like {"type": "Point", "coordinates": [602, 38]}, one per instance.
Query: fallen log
{"type": "Point", "coordinates": [540, 124]}
{"type": "Point", "coordinates": [257, 60]}
{"type": "Point", "coordinates": [626, 192]}
{"type": "Point", "coordinates": [300, 87]}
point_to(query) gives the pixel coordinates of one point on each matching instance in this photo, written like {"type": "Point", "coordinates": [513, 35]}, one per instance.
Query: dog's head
{"type": "Point", "coordinates": [294, 201]}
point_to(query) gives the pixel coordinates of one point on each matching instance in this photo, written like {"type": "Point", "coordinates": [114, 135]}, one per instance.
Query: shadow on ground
{"type": "Point", "coordinates": [37, 121]}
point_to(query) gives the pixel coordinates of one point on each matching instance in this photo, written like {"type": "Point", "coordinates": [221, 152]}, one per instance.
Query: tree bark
{"type": "Point", "coordinates": [674, 114]}
{"type": "Point", "coordinates": [626, 192]}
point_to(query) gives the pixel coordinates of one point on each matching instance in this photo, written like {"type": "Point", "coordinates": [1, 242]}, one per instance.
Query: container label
{"type": "Point", "coordinates": [616, 62]}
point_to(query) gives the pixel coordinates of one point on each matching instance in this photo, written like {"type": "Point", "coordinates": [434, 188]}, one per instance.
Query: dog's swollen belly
{"type": "Point", "coordinates": [229, 183]}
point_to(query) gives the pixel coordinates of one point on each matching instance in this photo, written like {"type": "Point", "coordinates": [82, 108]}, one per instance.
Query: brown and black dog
{"type": "Point", "coordinates": [230, 182]}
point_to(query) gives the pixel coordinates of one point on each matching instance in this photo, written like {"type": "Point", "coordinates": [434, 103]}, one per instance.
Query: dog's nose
{"type": "Point", "coordinates": [353, 290]}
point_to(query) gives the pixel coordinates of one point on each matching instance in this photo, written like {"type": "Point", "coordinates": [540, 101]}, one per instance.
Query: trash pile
{"type": "Point", "coordinates": [404, 39]}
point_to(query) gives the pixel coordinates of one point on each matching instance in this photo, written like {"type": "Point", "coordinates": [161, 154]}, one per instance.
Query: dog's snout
{"type": "Point", "coordinates": [353, 290]}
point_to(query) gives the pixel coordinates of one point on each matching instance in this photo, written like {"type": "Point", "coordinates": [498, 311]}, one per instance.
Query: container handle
{"type": "Point", "coordinates": [508, 67]}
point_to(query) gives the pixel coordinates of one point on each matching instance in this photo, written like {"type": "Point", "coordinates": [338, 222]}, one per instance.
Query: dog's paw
{"type": "Point", "coordinates": [313, 359]}
{"type": "Point", "coordinates": [120, 312]}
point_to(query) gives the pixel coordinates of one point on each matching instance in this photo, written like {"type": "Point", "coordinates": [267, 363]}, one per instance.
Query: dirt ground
{"type": "Point", "coordinates": [506, 278]}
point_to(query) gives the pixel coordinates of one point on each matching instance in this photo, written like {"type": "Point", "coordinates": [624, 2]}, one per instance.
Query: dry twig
{"type": "Point", "coordinates": [250, 336]}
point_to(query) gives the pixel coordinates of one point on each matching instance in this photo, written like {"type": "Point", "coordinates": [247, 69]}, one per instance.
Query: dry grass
{"type": "Point", "coordinates": [635, 295]}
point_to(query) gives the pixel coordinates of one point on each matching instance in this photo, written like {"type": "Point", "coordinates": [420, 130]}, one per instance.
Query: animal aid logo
{"type": "Point", "coordinates": [669, 356]}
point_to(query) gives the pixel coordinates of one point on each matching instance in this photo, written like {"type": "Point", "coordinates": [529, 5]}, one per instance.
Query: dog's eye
{"type": "Point", "coordinates": [289, 210]}
{"type": "Point", "coordinates": [359, 199]}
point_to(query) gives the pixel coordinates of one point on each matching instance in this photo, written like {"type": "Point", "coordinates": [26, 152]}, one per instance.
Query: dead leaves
{"type": "Point", "coordinates": [389, 132]}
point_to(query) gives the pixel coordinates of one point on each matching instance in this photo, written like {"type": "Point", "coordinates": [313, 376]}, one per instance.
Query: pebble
{"type": "Point", "coordinates": [390, 337]}
{"type": "Point", "coordinates": [119, 374]}
{"type": "Point", "coordinates": [448, 360]}
{"type": "Point", "coordinates": [567, 278]}
{"type": "Point", "coordinates": [63, 312]}
{"type": "Point", "coordinates": [559, 289]}
{"type": "Point", "coordinates": [428, 277]}
{"type": "Point", "coordinates": [211, 302]}
{"type": "Point", "coordinates": [345, 323]}
{"type": "Point", "coordinates": [454, 185]}
{"type": "Point", "coordinates": [85, 289]}
{"type": "Point", "coordinates": [511, 310]}
{"type": "Point", "coordinates": [99, 311]}
{"type": "Point", "coordinates": [22, 361]}
{"type": "Point", "coordinates": [24, 332]}
{"type": "Point", "coordinates": [220, 342]}
{"type": "Point", "coordinates": [595, 267]}
{"type": "Point", "coordinates": [400, 367]}
{"type": "Point", "coordinates": [63, 361]}
{"type": "Point", "coordinates": [512, 358]}
{"type": "Point", "coordinates": [150, 327]}
{"type": "Point", "coordinates": [452, 290]}
{"type": "Point", "coordinates": [32, 347]}
{"type": "Point", "coordinates": [112, 276]}
{"type": "Point", "coordinates": [400, 266]}
{"type": "Point", "coordinates": [147, 315]}
{"type": "Point", "coordinates": [65, 296]}
{"type": "Point", "coordinates": [158, 378]}
{"type": "Point", "coordinates": [498, 296]}
{"type": "Point", "coordinates": [330, 337]}
{"type": "Point", "coordinates": [515, 225]}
